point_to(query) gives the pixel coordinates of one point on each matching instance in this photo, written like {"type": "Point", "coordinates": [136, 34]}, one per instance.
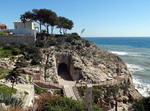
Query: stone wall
{"type": "Point", "coordinates": [20, 31]}
{"type": "Point", "coordinates": [17, 39]}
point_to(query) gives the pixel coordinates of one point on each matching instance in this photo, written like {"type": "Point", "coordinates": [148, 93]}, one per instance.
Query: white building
{"type": "Point", "coordinates": [20, 27]}
{"type": "Point", "coordinates": [27, 25]}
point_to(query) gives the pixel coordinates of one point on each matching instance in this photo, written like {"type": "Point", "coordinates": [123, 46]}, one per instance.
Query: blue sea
{"type": "Point", "coordinates": [135, 51]}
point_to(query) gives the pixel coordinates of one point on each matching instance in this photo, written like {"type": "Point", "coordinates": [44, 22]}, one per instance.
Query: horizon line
{"type": "Point", "coordinates": [117, 36]}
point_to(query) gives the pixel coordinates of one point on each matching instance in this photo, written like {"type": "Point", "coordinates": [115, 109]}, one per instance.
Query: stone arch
{"type": "Point", "coordinates": [65, 58]}
{"type": "Point", "coordinates": [64, 71]}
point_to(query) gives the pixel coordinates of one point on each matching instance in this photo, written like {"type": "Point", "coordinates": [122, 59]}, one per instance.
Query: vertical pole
{"type": "Point", "coordinates": [116, 106]}
{"type": "Point", "coordinates": [88, 97]}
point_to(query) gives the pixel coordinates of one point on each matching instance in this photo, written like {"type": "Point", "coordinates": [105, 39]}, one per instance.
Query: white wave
{"type": "Point", "coordinates": [124, 53]}
{"type": "Point", "coordinates": [119, 53]}
{"type": "Point", "coordinates": [134, 68]}
{"type": "Point", "coordinates": [143, 88]}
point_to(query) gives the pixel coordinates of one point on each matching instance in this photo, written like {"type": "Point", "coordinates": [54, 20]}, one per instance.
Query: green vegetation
{"type": "Point", "coordinates": [5, 52]}
{"type": "Point", "coordinates": [64, 104]}
{"type": "Point", "coordinates": [7, 90]}
{"type": "Point", "coordinates": [30, 53]}
{"type": "Point", "coordinates": [26, 93]}
{"type": "Point", "coordinates": [64, 24]}
{"type": "Point", "coordinates": [68, 40]}
{"type": "Point", "coordinates": [106, 93]}
{"type": "Point", "coordinates": [57, 92]}
{"type": "Point", "coordinates": [3, 73]}
{"type": "Point", "coordinates": [49, 102]}
{"type": "Point", "coordinates": [4, 33]}
{"type": "Point", "coordinates": [40, 90]}
{"type": "Point", "coordinates": [9, 100]}
{"type": "Point", "coordinates": [141, 105]}
{"type": "Point", "coordinates": [48, 18]}
{"type": "Point", "coordinates": [30, 79]}
{"type": "Point", "coordinates": [67, 104]}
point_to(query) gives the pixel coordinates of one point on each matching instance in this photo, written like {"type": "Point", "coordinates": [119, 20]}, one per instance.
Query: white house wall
{"type": "Point", "coordinates": [21, 25]}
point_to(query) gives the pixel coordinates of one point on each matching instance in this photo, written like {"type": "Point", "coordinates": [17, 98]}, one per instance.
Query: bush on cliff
{"type": "Point", "coordinates": [64, 104]}
{"type": "Point", "coordinates": [49, 102]}
{"type": "Point", "coordinates": [5, 52]}
{"type": "Point", "coordinates": [142, 104]}
{"type": "Point", "coordinates": [3, 72]}
{"type": "Point", "coordinates": [7, 90]}
{"type": "Point", "coordinates": [30, 52]}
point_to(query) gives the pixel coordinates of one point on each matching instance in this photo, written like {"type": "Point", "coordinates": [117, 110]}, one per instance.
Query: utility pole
{"type": "Point", "coordinates": [88, 97]}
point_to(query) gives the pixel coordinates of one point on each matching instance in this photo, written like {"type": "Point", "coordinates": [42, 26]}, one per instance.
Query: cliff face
{"type": "Point", "coordinates": [82, 62]}
{"type": "Point", "coordinates": [85, 62]}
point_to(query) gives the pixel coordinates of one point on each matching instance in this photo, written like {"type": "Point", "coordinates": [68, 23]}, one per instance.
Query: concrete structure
{"type": "Point", "coordinates": [88, 97]}
{"type": "Point", "coordinates": [27, 25]}
{"type": "Point", "coordinates": [20, 27]}
{"type": "Point", "coordinates": [23, 32]}
{"type": "Point", "coordinates": [3, 26]}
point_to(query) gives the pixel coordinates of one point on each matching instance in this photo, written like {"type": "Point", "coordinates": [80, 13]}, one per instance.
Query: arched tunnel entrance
{"type": "Point", "coordinates": [64, 71]}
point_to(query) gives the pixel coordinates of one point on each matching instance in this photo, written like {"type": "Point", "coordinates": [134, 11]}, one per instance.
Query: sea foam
{"type": "Point", "coordinates": [119, 53]}
{"type": "Point", "coordinates": [134, 68]}
{"type": "Point", "coordinates": [143, 88]}
{"type": "Point", "coordinates": [124, 53]}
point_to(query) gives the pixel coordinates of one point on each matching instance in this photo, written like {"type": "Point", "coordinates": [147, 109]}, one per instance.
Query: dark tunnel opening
{"type": "Point", "coordinates": [63, 71]}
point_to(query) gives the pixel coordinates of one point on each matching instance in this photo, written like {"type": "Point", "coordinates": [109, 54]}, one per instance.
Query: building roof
{"type": "Point", "coordinates": [3, 25]}
{"type": "Point", "coordinates": [28, 20]}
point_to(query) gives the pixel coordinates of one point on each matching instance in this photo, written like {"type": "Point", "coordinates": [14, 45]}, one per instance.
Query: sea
{"type": "Point", "coordinates": [135, 51]}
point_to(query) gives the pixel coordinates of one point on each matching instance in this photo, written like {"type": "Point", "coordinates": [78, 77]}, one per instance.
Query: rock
{"type": "Point", "coordinates": [84, 63]}
{"type": "Point", "coordinates": [3, 107]}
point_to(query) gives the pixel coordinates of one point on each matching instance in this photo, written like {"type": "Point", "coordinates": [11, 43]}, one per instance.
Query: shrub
{"type": "Point", "coordinates": [49, 102]}
{"type": "Point", "coordinates": [7, 90]}
{"type": "Point", "coordinates": [16, 51]}
{"type": "Point", "coordinates": [57, 92]}
{"type": "Point", "coordinates": [31, 52]}
{"type": "Point", "coordinates": [87, 43]}
{"type": "Point", "coordinates": [5, 52]}
{"type": "Point", "coordinates": [52, 43]}
{"type": "Point", "coordinates": [9, 100]}
{"type": "Point", "coordinates": [21, 62]}
{"type": "Point", "coordinates": [4, 33]}
{"type": "Point", "coordinates": [3, 73]}
{"type": "Point", "coordinates": [142, 104]}
{"type": "Point", "coordinates": [41, 101]}
{"type": "Point", "coordinates": [8, 47]}
{"type": "Point", "coordinates": [68, 39]}
{"type": "Point", "coordinates": [64, 104]}
{"type": "Point", "coordinates": [40, 90]}
{"type": "Point", "coordinates": [16, 108]}
{"type": "Point", "coordinates": [40, 43]}
{"type": "Point", "coordinates": [75, 36]}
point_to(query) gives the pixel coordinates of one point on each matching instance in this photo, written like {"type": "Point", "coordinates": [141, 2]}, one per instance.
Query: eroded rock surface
{"type": "Point", "coordinates": [85, 61]}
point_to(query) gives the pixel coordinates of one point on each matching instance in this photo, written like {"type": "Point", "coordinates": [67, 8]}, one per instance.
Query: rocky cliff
{"type": "Point", "coordinates": [88, 64]}
{"type": "Point", "coordinates": [84, 60]}
{"type": "Point", "coordinates": [84, 63]}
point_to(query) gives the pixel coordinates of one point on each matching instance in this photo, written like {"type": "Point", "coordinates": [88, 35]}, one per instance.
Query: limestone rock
{"type": "Point", "coordinates": [3, 107]}
{"type": "Point", "coordinates": [86, 62]}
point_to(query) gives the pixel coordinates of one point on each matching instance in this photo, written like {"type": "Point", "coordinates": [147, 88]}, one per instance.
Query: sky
{"type": "Point", "coordinates": [100, 18]}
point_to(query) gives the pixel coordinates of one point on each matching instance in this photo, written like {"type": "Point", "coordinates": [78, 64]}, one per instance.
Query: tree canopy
{"type": "Point", "coordinates": [48, 18]}
{"type": "Point", "coordinates": [64, 24]}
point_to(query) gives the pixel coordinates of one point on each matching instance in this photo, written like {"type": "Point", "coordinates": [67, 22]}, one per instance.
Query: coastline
{"type": "Point", "coordinates": [135, 53]}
